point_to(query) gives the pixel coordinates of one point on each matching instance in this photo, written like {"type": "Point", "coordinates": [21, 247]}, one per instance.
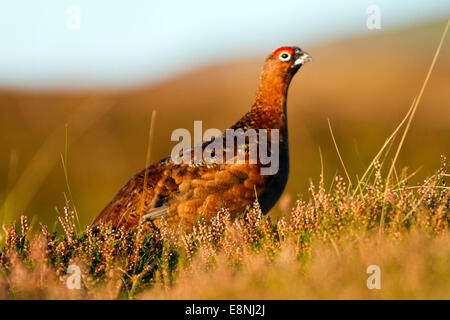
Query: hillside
{"type": "Point", "coordinates": [363, 85]}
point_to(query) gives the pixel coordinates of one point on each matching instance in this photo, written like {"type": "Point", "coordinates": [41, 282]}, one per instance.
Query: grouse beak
{"type": "Point", "coordinates": [302, 59]}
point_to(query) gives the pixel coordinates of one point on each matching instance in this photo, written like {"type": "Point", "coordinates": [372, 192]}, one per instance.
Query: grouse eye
{"type": "Point", "coordinates": [285, 56]}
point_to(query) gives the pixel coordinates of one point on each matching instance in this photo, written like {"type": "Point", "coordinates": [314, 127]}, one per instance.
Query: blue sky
{"type": "Point", "coordinates": [122, 43]}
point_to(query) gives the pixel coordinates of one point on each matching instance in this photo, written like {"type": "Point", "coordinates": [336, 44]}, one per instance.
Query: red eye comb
{"type": "Point", "coordinates": [288, 49]}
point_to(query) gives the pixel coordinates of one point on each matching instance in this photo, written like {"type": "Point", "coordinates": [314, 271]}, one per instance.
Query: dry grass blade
{"type": "Point", "coordinates": [72, 203]}
{"type": "Point", "coordinates": [151, 131]}
{"type": "Point", "coordinates": [339, 154]}
{"type": "Point", "coordinates": [441, 42]}
{"type": "Point", "coordinates": [321, 163]}
{"type": "Point", "coordinates": [386, 143]}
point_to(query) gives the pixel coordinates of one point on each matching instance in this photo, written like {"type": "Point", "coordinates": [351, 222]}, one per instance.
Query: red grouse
{"type": "Point", "coordinates": [184, 191]}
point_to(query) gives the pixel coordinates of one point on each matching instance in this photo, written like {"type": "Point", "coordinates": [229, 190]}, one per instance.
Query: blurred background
{"type": "Point", "coordinates": [97, 69]}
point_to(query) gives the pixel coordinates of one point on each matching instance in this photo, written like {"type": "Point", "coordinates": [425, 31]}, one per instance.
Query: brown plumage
{"type": "Point", "coordinates": [183, 192]}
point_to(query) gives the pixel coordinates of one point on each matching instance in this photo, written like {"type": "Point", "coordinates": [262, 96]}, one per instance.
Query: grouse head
{"type": "Point", "coordinates": [287, 60]}
{"type": "Point", "coordinates": [279, 69]}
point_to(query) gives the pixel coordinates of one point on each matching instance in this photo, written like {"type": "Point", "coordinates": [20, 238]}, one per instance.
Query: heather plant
{"type": "Point", "coordinates": [336, 231]}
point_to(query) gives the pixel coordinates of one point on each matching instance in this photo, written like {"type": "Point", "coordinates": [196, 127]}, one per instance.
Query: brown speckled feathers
{"type": "Point", "coordinates": [183, 192]}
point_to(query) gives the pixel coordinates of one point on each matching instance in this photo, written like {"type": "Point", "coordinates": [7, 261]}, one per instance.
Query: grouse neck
{"type": "Point", "coordinates": [272, 92]}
